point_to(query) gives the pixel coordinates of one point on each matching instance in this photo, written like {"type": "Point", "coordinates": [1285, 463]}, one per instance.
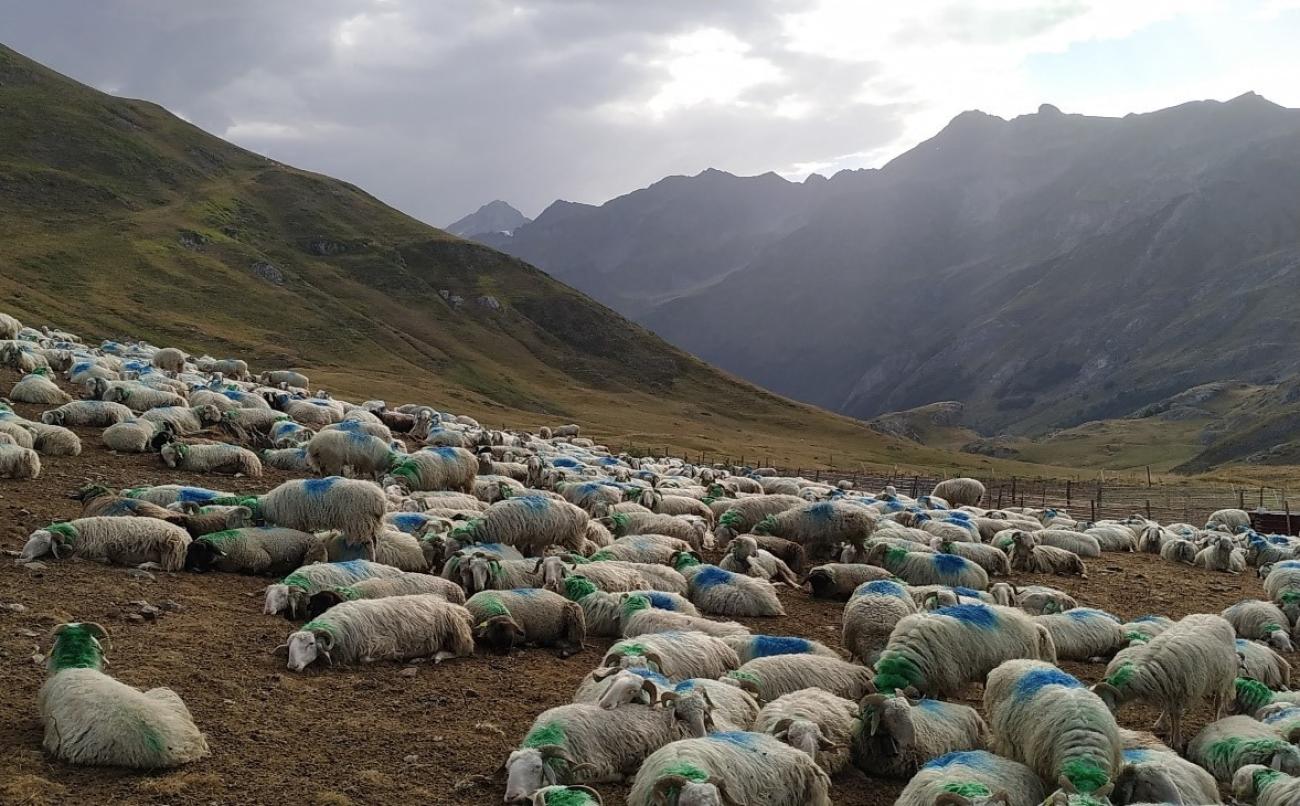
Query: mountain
{"type": "Point", "coordinates": [493, 217]}
{"type": "Point", "coordinates": [1044, 271]}
{"type": "Point", "coordinates": [120, 220]}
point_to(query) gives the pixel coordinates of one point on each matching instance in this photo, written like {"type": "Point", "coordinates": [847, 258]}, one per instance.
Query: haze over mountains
{"type": "Point", "coordinates": [495, 216]}
{"type": "Point", "coordinates": [1044, 271]}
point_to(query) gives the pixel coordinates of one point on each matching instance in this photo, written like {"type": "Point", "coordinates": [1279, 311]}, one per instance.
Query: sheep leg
{"type": "Point", "coordinates": [150, 566]}
{"type": "Point", "coordinates": [443, 655]}
{"type": "Point", "coordinates": [1176, 728]}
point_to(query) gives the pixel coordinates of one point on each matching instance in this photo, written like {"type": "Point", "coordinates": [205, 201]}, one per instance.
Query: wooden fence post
{"type": "Point", "coordinates": [1241, 498]}
{"type": "Point", "coordinates": [1093, 504]}
{"type": "Point", "coordinates": [999, 496]}
{"type": "Point", "coordinates": [1067, 492]}
{"type": "Point", "coordinates": [1148, 509]}
{"type": "Point", "coordinates": [916, 485]}
{"type": "Point", "coordinates": [1013, 491]}
{"type": "Point", "coordinates": [1148, 475]}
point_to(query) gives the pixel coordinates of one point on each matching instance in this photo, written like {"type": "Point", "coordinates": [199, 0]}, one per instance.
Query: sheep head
{"type": "Point", "coordinates": [629, 687]}
{"type": "Point", "coordinates": [500, 632]}
{"type": "Point", "coordinates": [712, 792]}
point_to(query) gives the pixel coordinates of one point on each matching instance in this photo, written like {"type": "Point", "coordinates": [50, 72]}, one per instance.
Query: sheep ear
{"type": "Point", "coordinates": [282, 650]}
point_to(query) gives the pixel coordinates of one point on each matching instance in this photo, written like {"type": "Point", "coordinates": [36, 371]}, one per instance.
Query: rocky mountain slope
{"type": "Point", "coordinates": [494, 217]}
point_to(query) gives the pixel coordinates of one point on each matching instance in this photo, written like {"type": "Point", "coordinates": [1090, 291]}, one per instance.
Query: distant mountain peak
{"type": "Point", "coordinates": [495, 216]}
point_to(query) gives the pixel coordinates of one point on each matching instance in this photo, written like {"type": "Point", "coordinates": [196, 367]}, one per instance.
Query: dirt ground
{"type": "Point", "coordinates": [372, 735]}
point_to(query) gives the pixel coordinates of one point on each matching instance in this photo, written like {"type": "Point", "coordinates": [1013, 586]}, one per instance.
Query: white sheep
{"type": "Point", "coordinates": [256, 550]}
{"type": "Point", "coordinates": [1051, 722]}
{"type": "Point", "coordinates": [741, 515]}
{"type": "Point", "coordinates": [992, 560]}
{"type": "Point", "coordinates": [621, 524]}
{"type": "Point", "coordinates": [530, 523]}
{"type": "Point", "coordinates": [53, 440]}
{"type": "Point", "coordinates": [393, 628]}
{"type": "Point", "coordinates": [436, 469]}
{"type": "Point", "coordinates": [1179, 551]}
{"type": "Point", "coordinates": [508, 618]}
{"type": "Point", "coordinates": [211, 458]}
{"type": "Point", "coordinates": [87, 414]}
{"type": "Point", "coordinates": [1281, 583]}
{"type": "Point", "coordinates": [1264, 786]}
{"type": "Point", "coordinates": [814, 721]}
{"type": "Point", "coordinates": [292, 593]}
{"type": "Point", "coordinates": [383, 587]}
{"type": "Point", "coordinates": [676, 655]}
{"type": "Point", "coordinates": [1084, 634]}
{"type": "Point", "coordinates": [704, 705]}
{"type": "Point", "coordinates": [770, 677]}
{"type": "Point", "coordinates": [293, 460]}
{"type": "Point", "coordinates": [350, 453]}
{"type": "Point", "coordinates": [1225, 746]}
{"type": "Point", "coordinates": [1159, 775]}
{"type": "Point", "coordinates": [90, 718]}
{"type": "Point", "coordinates": [653, 620]}
{"type": "Point", "coordinates": [820, 527]}
{"type": "Point", "coordinates": [170, 359]}
{"type": "Point", "coordinates": [295, 380]}
{"type": "Point", "coordinates": [1074, 542]}
{"type": "Point", "coordinates": [643, 549]}
{"type": "Point", "coordinates": [17, 462]}
{"type": "Point", "coordinates": [898, 735]}
{"type": "Point", "coordinates": [136, 436]}
{"type": "Point", "coordinates": [164, 495]}
{"type": "Point", "coordinates": [1221, 555]}
{"type": "Point", "coordinates": [940, 651]}
{"type": "Point", "coordinates": [355, 508]}
{"type": "Point", "coordinates": [870, 616]}
{"type": "Point", "coordinates": [1229, 520]}
{"type": "Point", "coordinates": [745, 557]}
{"type": "Point", "coordinates": [1264, 621]}
{"type": "Point", "coordinates": [722, 593]}
{"type": "Point", "coordinates": [1194, 659]}
{"type": "Point", "coordinates": [1027, 555]}
{"type": "Point", "coordinates": [730, 767]}
{"type": "Point", "coordinates": [38, 389]}
{"type": "Point", "coordinates": [960, 492]}
{"type": "Point", "coordinates": [1262, 663]}
{"type": "Point", "coordinates": [142, 542]}
{"type": "Point", "coordinates": [919, 568]}
{"type": "Point", "coordinates": [183, 420]}
{"type": "Point", "coordinates": [972, 778]}
{"type": "Point", "coordinates": [749, 647]}
{"type": "Point", "coordinates": [840, 580]}
{"type": "Point", "coordinates": [140, 398]}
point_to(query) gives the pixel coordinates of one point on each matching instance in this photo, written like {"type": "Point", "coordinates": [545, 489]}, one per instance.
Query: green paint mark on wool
{"type": "Point", "coordinates": [739, 675]}
{"type": "Point", "coordinates": [349, 593]}
{"type": "Point", "coordinates": [569, 797]}
{"type": "Point", "coordinates": [1140, 637]}
{"type": "Point", "coordinates": [152, 739]}
{"type": "Point", "coordinates": [1232, 751]}
{"type": "Point", "coordinates": [577, 588]}
{"type": "Point", "coordinates": [544, 735]}
{"type": "Point", "coordinates": [893, 672]}
{"type": "Point", "coordinates": [467, 531]}
{"type": "Point", "coordinates": [1252, 694]}
{"type": "Point", "coordinates": [633, 604]}
{"type": "Point", "coordinates": [895, 555]}
{"type": "Point", "coordinates": [578, 559]}
{"type": "Point", "coordinates": [297, 581]}
{"type": "Point", "coordinates": [134, 492]}
{"type": "Point", "coordinates": [1263, 778]}
{"type": "Point", "coordinates": [217, 538]}
{"type": "Point", "coordinates": [1272, 628]}
{"type": "Point", "coordinates": [1122, 675]}
{"type": "Point", "coordinates": [968, 789]}
{"type": "Point", "coordinates": [64, 529]}
{"type": "Point", "coordinates": [1290, 597]}
{"type": "Point", "coordinates": [632, 649]}
{"type": "Point", "coordinates": [603, 554]}
{"type": "Point", "coordinates": [685, 560]}
{"type": "Point", "coordinates": [491, 606]}
{"type": "Point", "coordinates": [1087, 776]}
{"type": "Point", "coordinates": [619, 521]}
{"type": "Point", "coordinates": [765, 526]}
{"type": "Point", "coordinates": [731, 518]}
{"type": "Point", "coordinates": [76, 648]}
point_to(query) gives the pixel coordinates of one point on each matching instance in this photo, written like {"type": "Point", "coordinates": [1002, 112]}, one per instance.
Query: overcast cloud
{"type": "Point", "coordinates": [438, 106]}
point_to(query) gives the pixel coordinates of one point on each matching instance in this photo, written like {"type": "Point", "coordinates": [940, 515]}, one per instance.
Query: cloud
{"type": "Point", "coordinates": [438, 106]}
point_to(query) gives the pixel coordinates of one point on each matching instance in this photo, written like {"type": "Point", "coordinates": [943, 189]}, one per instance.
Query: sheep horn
{"type": "Point", "coordinates": [591, 793]}
{"type": "Point", "coordinates": [538, 567]}
{"type": "Point", "coordinates": [659, 795]}
{"type": "Point", "coordinates": [649, 687]}
{"type": "Point", "coordinates": [782, 725]}
{"type": "Point", "coordinates": [667, 697]}
{"type": "Point", "coordinates": [722, 790]}
{"type": "Point", "coordinates": [652, 657]}
{"type": "Point", "coordinates": [601, 674]}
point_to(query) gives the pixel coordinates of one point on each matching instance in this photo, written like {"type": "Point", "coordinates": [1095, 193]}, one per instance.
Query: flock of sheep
{"type": "Point", "coordinates": [416, 534]}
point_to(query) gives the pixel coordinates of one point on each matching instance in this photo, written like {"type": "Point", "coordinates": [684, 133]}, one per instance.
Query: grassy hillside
{"type": "Point", "coordinates": [118, 219]}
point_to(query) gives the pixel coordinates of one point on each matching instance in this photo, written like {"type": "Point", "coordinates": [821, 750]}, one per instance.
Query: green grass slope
{"type": "Point", "coordinates": [118, 219]}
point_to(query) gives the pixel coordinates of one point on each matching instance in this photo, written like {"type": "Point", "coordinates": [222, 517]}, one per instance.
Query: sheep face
{"type": "Point", "coordinates": [625, 688]}
{"type": "Point", "coordinates": [305, 648]}
{"type": "Point", "coordinates": [201, 555]}
{"type": "Point", "coordinates": [804, 735]}
{"type": "Point", "coordinates": [1280, 641]}
{"type": "Point", "coordinates": [500, 632]}
{"type": "Point", "coordinates": [277, 599]}
{"type": "Point", "coordinates": [525, 770]}
{"type": "Point", "coordinates": [709, 793]}
{"type": "Point", "coordinates": [41, 542]}
{"type": "Point", "coordinates": [171, 455]}
{"type": "Point", "coordinates": [553, 574]}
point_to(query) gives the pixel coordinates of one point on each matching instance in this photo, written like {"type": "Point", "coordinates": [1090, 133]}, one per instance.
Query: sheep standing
{"type": "Point", "coordinates": [733, 767]}
{"type": "Point", "coordinates": [1193, 659]}
{"type": "Point", "coordinates": [92, 719]}
{"type": "Point", "coordinates": [505, 619]}
{"type": "Point", "coordinates": [973, 778]}
{"type": "Point", "coordinates": [142, 542]}
{"type": "Point", "coordinates": [960, 492]}
{"type": "Point", "coordinates": [820, 527]}
{"type": "Point", "coordinates": [355, 508]}
{"type": "Point", "coordinates": [437, 469]}
{"type": "Point", "coordinates": [897, 735]}
{"type": "Point", "coordinates": [170, 359]}
{"type": "Point", "coordinates": [393, 628]}
{"type": "Point", "coordinates": [530, 523]}
{"type": "Point", "coordinates": [939, 652]}
{"type": "Point", "coordinates": [346, 453]}
{"type": "Point", "coordinates": [870, 616]}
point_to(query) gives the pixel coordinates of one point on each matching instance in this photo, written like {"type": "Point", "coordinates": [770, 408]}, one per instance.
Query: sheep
{"type": "Point", "coordinates": [897, 735]}
{"type": "Point", "coordinates": [1263, 786]}
{"type": "Point", "coordinates": [140, 398]}
{"type": "Point", "coordinates": [643, 549]}
{"type": "Point", "coordinates": [812, 720]}
{"type": "Point", "coordinates": [170, 359]}
{"type": "Point", "coordinates": [53, 440]}
{"type": "Point", "coordinates": [393, 628]}
{"type": "Point", "coordinates": [355, 508]}
{"type": "Point", "coordinates": [211, 458]}
{"type": "Point", "coordinates": [1027, 555]}
{"type": "Point", "coordinates": [183, 420]}
{"type": "Point", "coordinates": [259, 550]}
{"type": "Point", "coordinates": [229, 367]}
{"type": "Point", "coordinates": [1264, 621]}
{"type": "Point", "coordinates": [703, 705]}
{"type": "Point", "coordinates": [1193, 659]}
{"type": "Point", "coordinates": [1084, 634]}
{"type": "Point", "coordinates": [39, 389]}
{"type": "Point", "coordinates": [586, 743]}
{"type": "Point", "coordinates": [648, 620]}
{"type": "Point", "coordinates": [142, 542]}
{"type": "Point", "coordinates": [770, 677]}
{"type": "Point", "coordinates": [1179, 551]}
{"type": "Point", "coordinates": [932, 597]}
{"type": "Point", "coordinates": [613, 687]}
{"type": "Point", "coordinates": [201, 520]}
{"type": "Point", "coordinates": [436, 469]}
{"type": "Point", "coordinates": [1038, 600]}
{"type": "Point", "coordinates": [721, 593]}
{"type": "Point", "coordinates": [316, 411]}
{"type": "Point", "coordinates": [730, 767]}
{"type": "Point", "coordinates": [918, 568]}
{"type": "Point", "coordinates": [741, 515]}
{"type": "Point", "coordinates": [820, 527]}
{"type": "Point", "coordinates": [291, 594]}
{"type": "Point", "coordinates": [972, 778]}
{"type": "Point", "coordinates": [9, 327]}
{"type": "Point", "coordinates": [504, 619]}
{"type": "Point", "coordinates": [1221, 555]}
{"type": "Point", "coordinates": [288, 434]}
{"type": "Point", "coordinates": [16, 429]}
{"type": "Point", "coordinates": [1282, 584]}
{"type": "Point", "coordinates": [1225, 746]}
{"type": "Point", "coordinates": [347, 453]}
{"type": "Point", "coordinates": [840, 580]}
{"type": "Point", "coordinates": [565, 796]}
{"type": "Point", "coordinates": [293, 460]}
{"type": "Point", "coordinates": [940, 651]}
{"type": "Point", "coordinates": [611, 577]}
{"type": "Point", "coordinates": [603, 612]}
{"type": "Point", "coordinates": [92, 719]}
{"type": "Point", "coordinates": [1051, 722]}
{"type": "Point", "coordinates": [17, 462]}
{"type": "Point", "coordinates": [1262, 551]}
{"type": "Point", "coordinates": [383, 587]}
{"type": "Point", "coordinates": [745, 557]}
{"type": "Point", "coordinates": [481, 571]}
{"type": "Point", "coordinates": [621, 524]}
{"type": "Point", "coordinates": [136, 436]}
{"type": "Point", "coordinates": [1152, 538]}
{"type": "Point", "coordinates": [391, 547]}
{"type": "Point", "coordinates": [97, 500]}
{"type": "Point", "coordinates": [960, 492]}
{"type": "Point", "coordinates": [1159, 775]}
{"type": "Point", "coordinates": [1263, 664]}
{"type": "Point", "coordinates": [87, 414]}
{"type": "Point", "coordinates": [870, 616]}
{"type": "Point", "coordinates": [1074, 542]}
{"type": "Point", "coordinates": [1144, 628]}
{"type": "Point", "coordinates": [992, 560]}
{"type": "Point", "coordinates": [530, 523]}
{"type": "Point", "coordinates": [749, 647]}
{"type": "Point", "coordinates": [168, 494]}
{"type": "Point", "coordinates": [596, 497]}
{"type": "Point", "coordinates": [1232, 521]}
{"type": "Point", "coordinates": [676, 655]}
{"type": "Point", "coordinates": [294, 380]}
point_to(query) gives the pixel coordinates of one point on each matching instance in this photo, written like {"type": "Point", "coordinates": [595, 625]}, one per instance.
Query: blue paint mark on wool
{"type": "Point", "coordinates": [1138, 755]}
{"type": "Point", "coordinates": [958, 515]}
{"type": "Point", "coordinates": [893, 506]}
{"type": "Point", "coordinates": [684, 687]}
{"type": "Point", "coordinates": [975, 759]}
{"type": "Point", "coordinates": [1278, 540]}
{"type": "Point", "coordinates": [949, 563]}
{"type": "Point", "coordinates": [1148, 617]}
{"type": "Point", "coordinates": [737, 738]}
{"type": "Point", "coordinates": [1087, 613]}
{"type": "Point", "coordinates": [533, 503]}
{"type": "Point", "coordinates": [1033, 681]}
{"type": "Point", "coordinates": [660, 600]}
{"type": "Point", "coordinates": [527, 592]}
{"type": "Point", "coordinates": [881, 587]}
{"type": "Point", "coordinates": [197, 495]}
{"type": "Point", "coordinates": [938, 707]}
{"type": "Point", "coordinates": [445, 453]}
{"type": "Point", "coordinates": [356, 436]}
{"type": "Point", "coordinates": [1284, 715]}
{"type": "Point", "coordinates": [822, 511]}
{"type": "Point", "coordinates": [710, 576]}
{"type": "Point", "coordinates": [762, 646]}
{"type": "Point", "coordinates": [964, 591]}
{"type": "Point", "coordinates": [409, 521]}
{"type": "Point", "coordinates": [357, 569]}
{"type": "Point", "coordinates": [316, 487]}
{"type": "Point", "coordinates": [976, 615]}
{"type": "Point", "coordinates": [1295, 564]}
{"type": "Point", "coordinates": [564, 461]}
{"type": "Point", "coordinates": [320, 403]}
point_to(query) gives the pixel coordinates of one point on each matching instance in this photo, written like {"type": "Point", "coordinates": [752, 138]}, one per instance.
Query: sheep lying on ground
{"type": "Point", "coordinates": [291, 594]}
{"type": "Point", "coordinates": [508, 618]}
{"type": "Point", "coordinates": [90, 718]}
{"type": "Point", "coordinates": [39, 389]}
{"type": "Point", "coordinates": [393, 628]}
{"type": "Point", "coordinates": [219, 458]}
{"type": "Point", "coordinates": [1028, 555]}
{"type": "Point", "coordinates": [17, 462]}
{"type": "Point", "coordinates": [771, 677]}
{"type": "Point", "coordinates": [730, 767]}
{"type": "Point", "coordinates": [897, 735]}
{"type": "Point", "coordinates": [382, 587]}
{"type": "Point", "coordinates": [840, 580]}
{"type": "Point", "coordinates": [973, 778]}
{"type": "Point", "coordinates": [918, 568]}
{"type": "Point", "coordinates": [1225, 746]}
{"type": "Point", "coordinates": [87, 414]}
{"type": "Point", "coordinates": [142, 542]}
{"type": "Point", "coordinates": [1265, 621]}
{"type": "Point", "coordinates": [260, 550]}
{"type": "Point", "coordinates": [676, 655]}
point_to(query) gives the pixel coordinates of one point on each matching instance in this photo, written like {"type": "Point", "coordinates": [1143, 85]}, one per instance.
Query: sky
{"type": "Point", "coordinates": [439, 106]}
